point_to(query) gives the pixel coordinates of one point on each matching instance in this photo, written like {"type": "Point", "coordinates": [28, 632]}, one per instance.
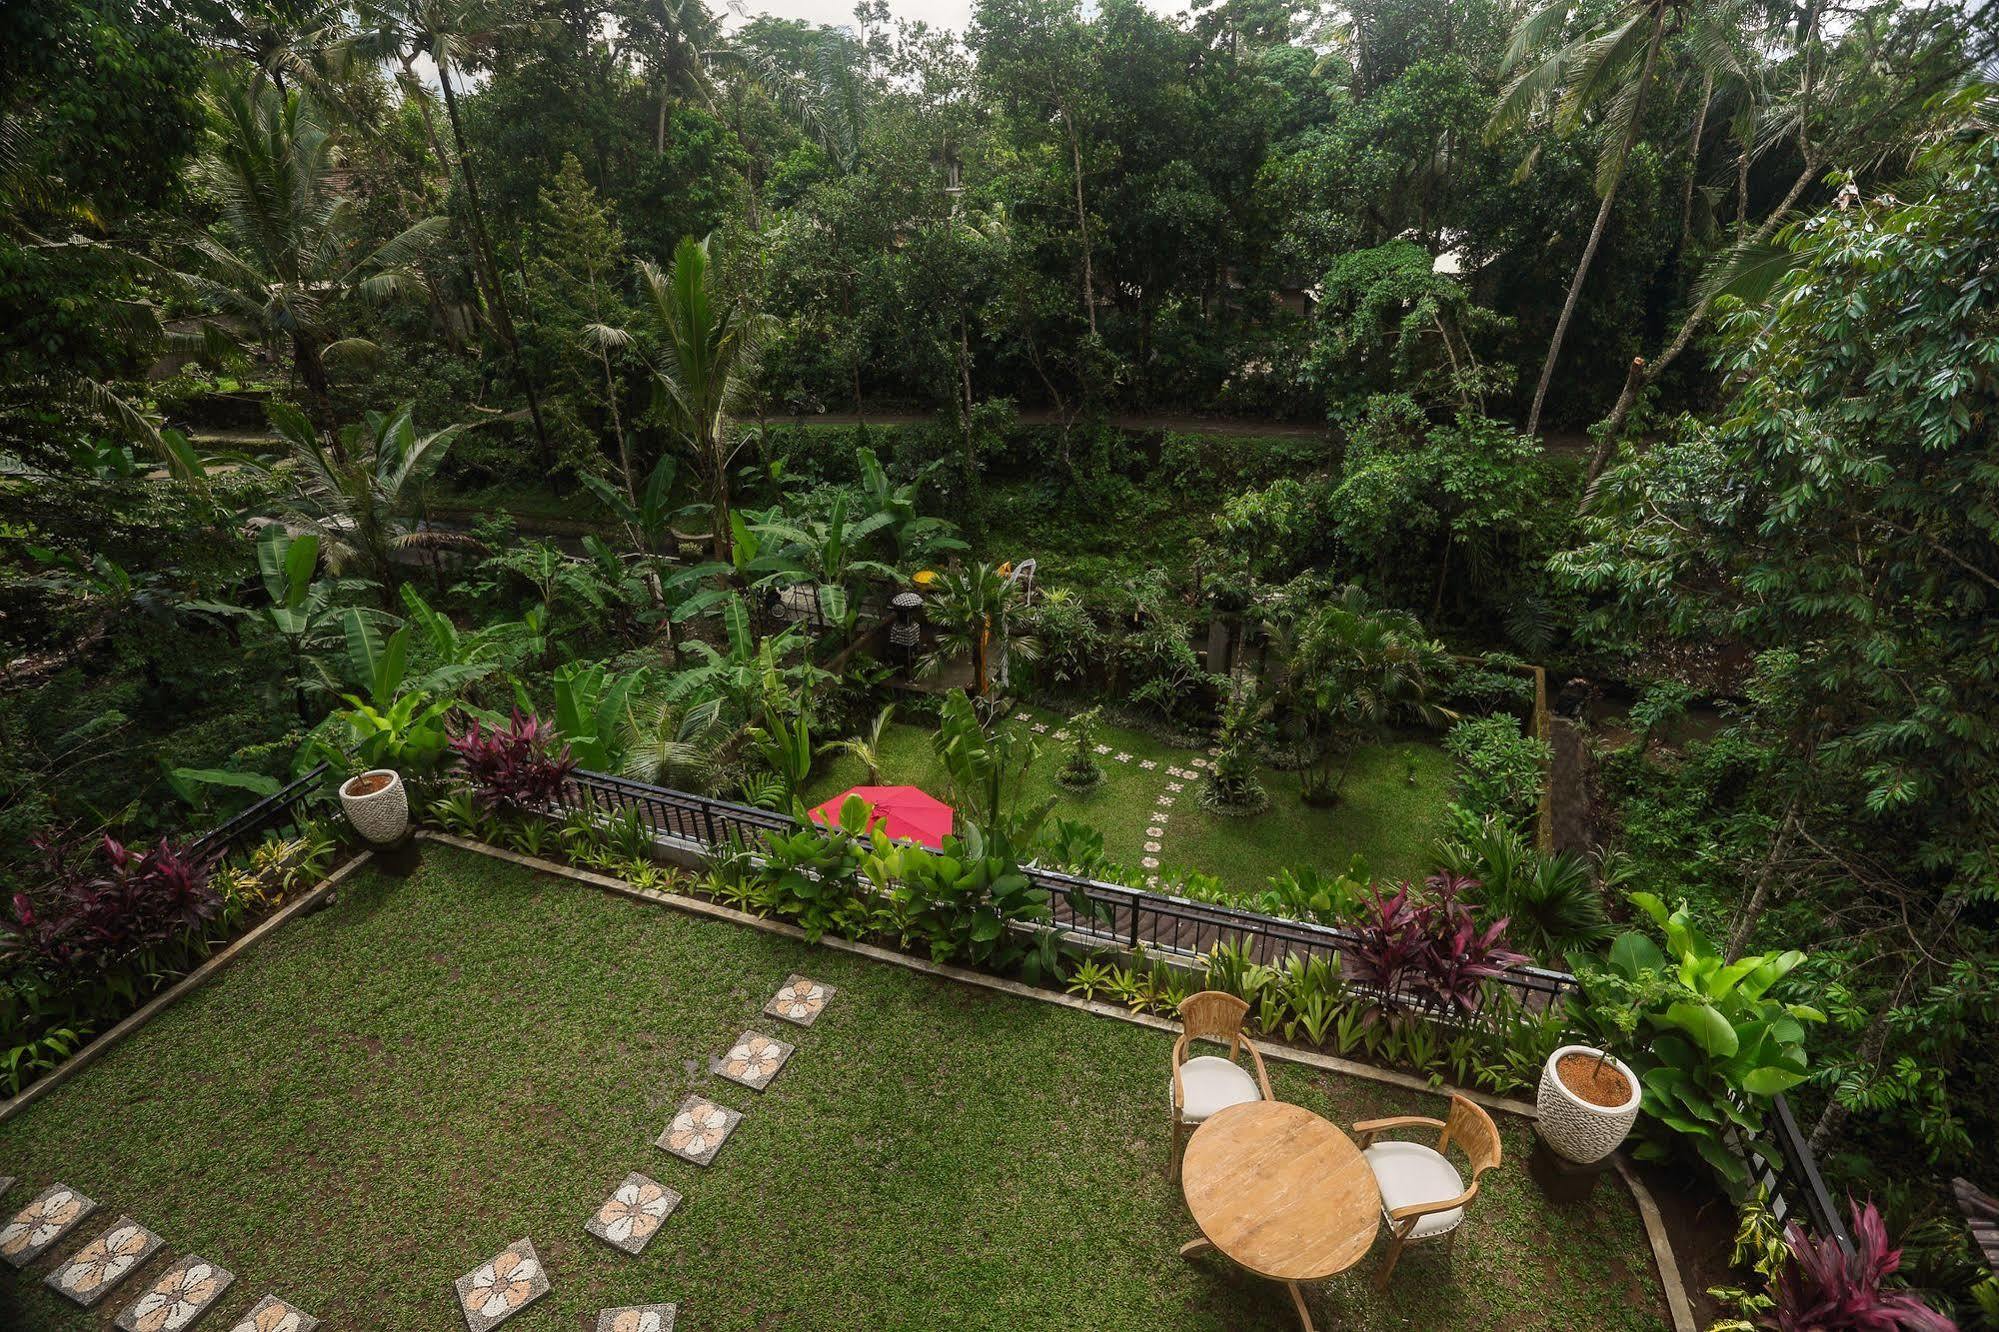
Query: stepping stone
{"type": "Point", "coordinates": [1103, 749]}
{"type": "Point", "coordinates": [1152, 881]}
{"type": "Point", "coordinates": [1200, 763]}
{"type": "Point", "coordinates": [1150, 863]}
{"type": "Point", "coordinates": [1160, 816]}
{"type": "Point", "coordinates": [801, 1001]}
{"type": "Point", "coordinates": [1165, 799]}
{"type": "Point", "coordinates": [752, 1061]}
{"type": "Point", "coordinates": [50, 1215]}
{"type": "Point", "coordinates": [1121, 757]}
{"type": "Point", "coordinates": [1214, 751]}
{"type": "Point", "coordinates": [1155, 832]}
{"type": "Point", "coordinates": [94, 1269]}
{"type": "Point", "coordinates": [272, 1314]}
{"type": "Point", "coordinates": [187, 1291]}
{"type": "Point", "coordinates": [633, 1213]}
{"type": "Point", "coordinates": [1152, 847]}
{"type": "Point", "coordinates": [1041, 728]}
{"type": "Point", "coordinates": [698, 1130]}
{"type": "Point", "coordinates": [1023, 716]}
{"type": "Point", "coordinates": [637, 1318]}
{"type": "Point", "coordinates": [496, 1290]}
{"type": "Point", "coordinates": [1148, 764]}
{"type": "Point", "coordinates": [1175, 786]}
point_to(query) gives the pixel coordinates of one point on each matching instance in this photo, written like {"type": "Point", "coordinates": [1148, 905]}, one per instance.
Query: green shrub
{"type": "Point", "coordinates": [1499, 773]}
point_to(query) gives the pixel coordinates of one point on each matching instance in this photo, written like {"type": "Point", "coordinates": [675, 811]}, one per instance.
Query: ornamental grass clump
{"type": "Point", "coordinates": [516, 767]}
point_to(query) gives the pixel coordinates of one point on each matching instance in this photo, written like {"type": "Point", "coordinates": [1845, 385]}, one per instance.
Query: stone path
{"type": "Point", "coordinates": [488, 1295]}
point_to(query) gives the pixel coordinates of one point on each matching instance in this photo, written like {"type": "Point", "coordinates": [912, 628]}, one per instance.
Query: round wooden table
{"type": "Point", "coordinates": [1280, 1192]}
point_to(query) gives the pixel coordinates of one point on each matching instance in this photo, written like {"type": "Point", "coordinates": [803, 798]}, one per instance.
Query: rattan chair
{"type": "Point", "coordinates": [1422, 1194]}
{"type": "Point", "coordinates": [1208, 1083]}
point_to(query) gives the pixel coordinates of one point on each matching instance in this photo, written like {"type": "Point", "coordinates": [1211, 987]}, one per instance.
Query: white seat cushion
{"type": "Point", "coordinates": [1408, 1173]}
{"type": "Point", "coordinates": [1210, 1083]}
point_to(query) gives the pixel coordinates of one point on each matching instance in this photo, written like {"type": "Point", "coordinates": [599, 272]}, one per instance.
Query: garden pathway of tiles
{"type": "Point", "coordinates": [90, 1273]}
{"type": "Point", "coordinates": [637, 1318]}
{"type": "Point", "coordinates": [184, 1293]}
{"type": "Point", "coordinates": [501, 1287]}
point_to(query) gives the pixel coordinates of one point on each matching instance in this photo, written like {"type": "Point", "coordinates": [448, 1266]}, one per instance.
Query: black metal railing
{"type": "Point", "coordinates": [283, 809]}
{"type": "Point", "coordinates": [1089, 908]}
{"type": "Point", "coordinates": [1781, 1162]}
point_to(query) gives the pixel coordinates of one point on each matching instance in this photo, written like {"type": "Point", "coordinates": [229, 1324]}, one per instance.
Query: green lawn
{"type": "Point", "coordinates": [1383, 816]}
{"type": "Point", "coordinates": [378, 1098]}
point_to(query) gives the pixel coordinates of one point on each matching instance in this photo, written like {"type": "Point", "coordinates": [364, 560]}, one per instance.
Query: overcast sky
{"type": "Point", "coordinates": [952, 14]}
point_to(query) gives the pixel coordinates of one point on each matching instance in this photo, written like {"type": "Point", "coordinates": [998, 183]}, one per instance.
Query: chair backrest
{"type": "Point", "coordinates": [1475, 1134]}
{"type": "Point", "coordinates": [1213, 1015]}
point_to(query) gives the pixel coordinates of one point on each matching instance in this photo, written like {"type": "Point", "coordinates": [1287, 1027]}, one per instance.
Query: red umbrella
{"type": "Point", "coordinates": [900, 811]}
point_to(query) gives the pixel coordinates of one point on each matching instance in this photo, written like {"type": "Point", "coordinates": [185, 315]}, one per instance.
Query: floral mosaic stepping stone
{"type": "Point", "coordinates": [187, 1291]}
{"type": "Point", "coordinates": [1041, 728]}
{"type": "Point", "coordinates": [94, 1269]}
{"type": "Point", "coordinates": [1121, 757]}
{"type": "Point", "coordinates": [1103, 749]}
{"type": "Point", "coordinates": [1214, 751]}
{"type": "Point", "coordinates": [1152, 847]}
{"type": "Point", "coordinates": [1023, 716]}
{"type": "Point", "coordinates": [1150, 862]}
{"type": "Point", "coordinates": [1155, 832]}
{"type": "Point", "coordinates": [496, 1290]}
{"type": "Point", "coordinates": [633, 1213]}
{"type": "Point", "coordinates": [1165, 799]}
{"type": "Point", "coordinates": [1175, 786]}
{"type": "Point", "coordinates": [49, 1215]}
{"type": "Point", "coordinates": [801, 1001]}
{"type": "Point", "coordinates": [272, 1314]}
{"type": "Point", "coordinates": [1062, 734]}
{"type": "Point", "coordinates": [697, 1132]}
{"type": "Point", "coordinates": [637, 1318]}
{"type": "Point", "coordinates": [753, 1060]}
{"type": "Point", "coordinates": [1148, 764]}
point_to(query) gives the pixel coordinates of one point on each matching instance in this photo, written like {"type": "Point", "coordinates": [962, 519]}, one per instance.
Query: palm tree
{"type": "Point", "coordinates": [282, 254]}
{"type": "Point", "coordinates": [867, 748]}
{"type": "Point", "coordinates": [1607, 67]}
{"type": "Point", "coordinates": [711, 344]}
{"type": "Point", "coordinates": [972, 609]}
{"type": "Point", "coordinates": [446, 30]}
{"type": "Point", "coordinates": [356, 497]}
{"type": "Point", "coordinates": [678, 740]}
{"type": "Point", "coordinates": [1354, 670]}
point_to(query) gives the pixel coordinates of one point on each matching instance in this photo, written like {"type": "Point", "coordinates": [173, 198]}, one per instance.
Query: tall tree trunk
{"type": "Point", "coordinates": [1602, 220]}
{"type": "Point", "coordinates": [312, 373]}
{"type": "Point", "coordinates": [1694, 165]}
{"type": "Point", "coordinates": [483, 247]}
{"type": "Point", "coordinates": [1644, 373]}
{"type": "Point", "coordinates": [1752, 908]}
{"type": "Point", "coordinates": [1082, 221]}
{"type": "Point", "coordinates": [718, 497]}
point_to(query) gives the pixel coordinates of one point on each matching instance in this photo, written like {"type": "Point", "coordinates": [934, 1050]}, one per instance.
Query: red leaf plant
{"type": "Point", "coordinates": [1824, 1289]}
{"type": "Point", "coordinates": [1428, 948]}
{"type": "Point", "coordinates": [517, 766]}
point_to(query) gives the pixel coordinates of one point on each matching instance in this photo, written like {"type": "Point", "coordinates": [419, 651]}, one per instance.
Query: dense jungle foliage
{"type": "Point", "coordinates": [383, 377]}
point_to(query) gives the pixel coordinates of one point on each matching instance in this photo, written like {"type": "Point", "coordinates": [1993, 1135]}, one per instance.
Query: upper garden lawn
{"type": "Point", "coordinates": [379, 1097]}
{"type": "Point", "coordinates": [1383, 815]}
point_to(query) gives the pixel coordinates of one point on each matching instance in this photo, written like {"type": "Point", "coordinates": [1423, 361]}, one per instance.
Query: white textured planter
{"type": "Point", "coordinates": [380, 817]}
{"type": "Point", "coordinates": [1577, 1130]}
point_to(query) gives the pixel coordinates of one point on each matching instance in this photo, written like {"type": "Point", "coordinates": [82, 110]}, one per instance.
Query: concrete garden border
{"type": "Point", "coordinates": [102, 1044]}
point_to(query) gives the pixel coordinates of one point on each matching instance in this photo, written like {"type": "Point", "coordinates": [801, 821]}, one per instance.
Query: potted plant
{"type": "Point", "coordinates": [1587, 1101]}
{"type": "Point", "coordinates": [377, 806]}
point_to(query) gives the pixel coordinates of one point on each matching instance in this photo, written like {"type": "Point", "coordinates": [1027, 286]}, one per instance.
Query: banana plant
{"type": "Point", "coordinates": [1720, 1045]}
{"type": "Point", "coordinates": [918, 539]}
{"type": "Point", "coordinates": [381, 665]}
{"type": "Point", "coordinates": [591, 708]}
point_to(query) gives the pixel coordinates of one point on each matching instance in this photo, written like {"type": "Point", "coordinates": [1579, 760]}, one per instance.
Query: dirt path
{"type": "Point", "coordinates": [1564, 442]}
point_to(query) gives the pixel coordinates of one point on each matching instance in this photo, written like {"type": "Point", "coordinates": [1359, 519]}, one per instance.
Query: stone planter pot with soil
{"type": "Point", "coordinates": [1587, 1103]}
{"type": "Point", "coordinates": [377, 805]}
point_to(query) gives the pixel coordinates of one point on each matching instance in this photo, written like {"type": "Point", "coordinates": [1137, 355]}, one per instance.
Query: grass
{"type": "Point", "coordinates": [1383, 816]}
{"type": "Point", "coordinates": [380, 1096]}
